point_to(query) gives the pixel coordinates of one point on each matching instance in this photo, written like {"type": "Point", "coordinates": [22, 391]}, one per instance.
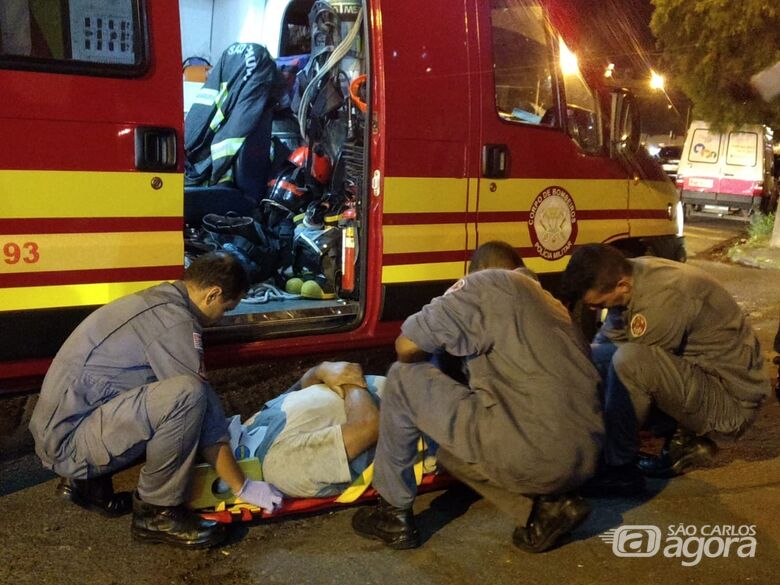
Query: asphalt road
{"type": "Point", "coordinates": [704, 231]}
{"type": "Point", "coordinates": [690, 518]}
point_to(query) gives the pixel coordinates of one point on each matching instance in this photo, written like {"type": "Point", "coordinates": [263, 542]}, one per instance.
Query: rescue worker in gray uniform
{"type": "Point", "coordinates": [129, 382]}
{"type": "Point", "coordinates": [526, 429]}
{"type": "Point", "coordinates": [675, 340]}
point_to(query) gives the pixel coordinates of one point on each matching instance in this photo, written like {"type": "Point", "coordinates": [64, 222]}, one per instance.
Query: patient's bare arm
{"type": "Point", "coordinates": [362, 427]}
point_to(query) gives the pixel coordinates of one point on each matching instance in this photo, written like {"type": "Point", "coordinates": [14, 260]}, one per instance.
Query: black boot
{"type": "Point", "coordinates": [174, 525]}
{"type": "Point", "coordinates": [551, 518]}
{"type": "Point", "coordinates": [96, 494]}
{"type": "Point", "coordinates": [682, 452]}
{"type": "Point", "coordinates": [614, 481]}
{"type": "Point", "coordinates": [393, 526]}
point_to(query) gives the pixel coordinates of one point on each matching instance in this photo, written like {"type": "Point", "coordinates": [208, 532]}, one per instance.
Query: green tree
{"type": "Point", "coordinates": [710, 48]}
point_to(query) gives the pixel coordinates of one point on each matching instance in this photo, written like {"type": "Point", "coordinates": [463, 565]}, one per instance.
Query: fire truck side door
{"type": "Point", "coordinates": [546, 181]}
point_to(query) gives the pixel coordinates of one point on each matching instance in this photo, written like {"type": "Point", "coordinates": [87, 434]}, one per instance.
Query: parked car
{"type": "Point", "coordinates": [669, 159]}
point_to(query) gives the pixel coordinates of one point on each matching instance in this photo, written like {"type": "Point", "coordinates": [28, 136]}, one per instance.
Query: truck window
{"type": "Point", "coordinates": [523, 62]}
{"type": "Point", "coordinates": [705, 146]}
{"type": "Point", "coordinates": [742, 149]}
{"type": "Point", "coordinates": [296, 32]}
{"type": "Point", "coordinates": [583, 121]}
{"type": "Point", "coordinates": [99, 37]}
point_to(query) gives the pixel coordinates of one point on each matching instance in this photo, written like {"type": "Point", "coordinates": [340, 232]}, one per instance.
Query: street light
{"type": "Point", "coordinates": [568, 60]}
{"type": "Point", "coordinates": [657, 81]}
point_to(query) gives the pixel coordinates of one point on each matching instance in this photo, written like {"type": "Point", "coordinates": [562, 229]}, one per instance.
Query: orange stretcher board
{"type": "Point", "coordinates": [294, 506]}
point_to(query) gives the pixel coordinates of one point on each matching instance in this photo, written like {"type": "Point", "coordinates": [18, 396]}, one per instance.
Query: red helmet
{"type": "Point", "coordinates": [321, 166]}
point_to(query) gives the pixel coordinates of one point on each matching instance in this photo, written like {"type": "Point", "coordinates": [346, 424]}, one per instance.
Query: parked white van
{"type": "Point", "coordinates": [730, 170]}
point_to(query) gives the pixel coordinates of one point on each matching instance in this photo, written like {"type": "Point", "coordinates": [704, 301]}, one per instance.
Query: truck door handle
{"type": "Point", "coordinates": [495, 161]}
{"type": "Point", "coordinates": [155, 148]}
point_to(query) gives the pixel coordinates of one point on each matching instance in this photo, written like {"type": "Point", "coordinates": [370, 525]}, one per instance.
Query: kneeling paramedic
{"type": "Point", "coordinates": [526, 429]}
{"type": "Point", "coordinates": [129, 383]}
{"type": "Point", "coordinates": [675, 341]}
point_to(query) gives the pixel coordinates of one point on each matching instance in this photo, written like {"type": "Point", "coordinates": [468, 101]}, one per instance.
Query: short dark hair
{"type": "Point", "coordinates": [593, 266]}
{"type": "Point", "coordinates": [495, 254]}
{"type": "Point", "coordinates": [218, 269]}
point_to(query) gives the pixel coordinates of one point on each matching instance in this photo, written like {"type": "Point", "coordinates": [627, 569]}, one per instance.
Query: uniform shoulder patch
{"type": "Point", "coordinates": [638, 325]}
{"type": "Point", "coordinates": [456, 287]}
{"type": "Point", "coordinates": [197, 341]}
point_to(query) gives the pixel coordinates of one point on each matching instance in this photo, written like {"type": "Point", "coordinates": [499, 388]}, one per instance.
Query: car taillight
{"type": "Point", "coordinates": [679, 182]}
{"type": "Point", "coordinates": [758, 188]}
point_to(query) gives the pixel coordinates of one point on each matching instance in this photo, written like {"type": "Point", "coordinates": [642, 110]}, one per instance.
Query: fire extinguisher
{"type": "Point", "coordinates": [348, 250]}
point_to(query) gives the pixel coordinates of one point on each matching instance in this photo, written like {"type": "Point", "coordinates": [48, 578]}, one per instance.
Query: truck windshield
{"type": "Point", "coordinates": [103, 37]}
{"type": "Point", "coordinates": [523, 67]}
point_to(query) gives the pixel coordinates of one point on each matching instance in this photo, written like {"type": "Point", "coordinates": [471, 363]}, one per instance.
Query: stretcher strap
{"type": "Point", "coordinates": [363, 481]}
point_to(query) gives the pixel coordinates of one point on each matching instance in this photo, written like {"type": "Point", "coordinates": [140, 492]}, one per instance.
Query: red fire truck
{"type": "Point", "coordinates": [473, 122]}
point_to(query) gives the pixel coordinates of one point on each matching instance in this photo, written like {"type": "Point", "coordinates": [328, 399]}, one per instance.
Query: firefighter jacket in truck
{"type": "Point", "coordinates": [243, 84]}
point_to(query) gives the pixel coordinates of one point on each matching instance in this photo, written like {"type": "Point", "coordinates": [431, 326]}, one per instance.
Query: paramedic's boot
{"type": "Point", "coordinates": [96, 494]}
{"type": "Point", "coordinates": [174, 525]}
{"type": "Point", "coordinates": [551, 518]}
{"type": "Point", "coordinates": [393, 526]}
{"type": "Point", "coordinates": [681, 453]}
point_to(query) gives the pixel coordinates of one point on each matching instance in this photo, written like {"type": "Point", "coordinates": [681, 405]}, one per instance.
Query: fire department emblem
{"type": "Point", "coordinates": [552, 223]}
{"type": "Point", "coordinates": [638, 325]}
{"type": "Point", "coordinates": [456, 287]}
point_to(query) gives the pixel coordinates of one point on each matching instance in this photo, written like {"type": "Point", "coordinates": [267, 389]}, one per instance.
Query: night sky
{"type": "Point", "coordinates": [617, 31]}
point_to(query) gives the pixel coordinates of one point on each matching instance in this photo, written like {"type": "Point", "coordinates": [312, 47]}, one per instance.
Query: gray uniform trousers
{"type": "Point", "coordinates": [697, 399]}
{"type": "Point", "coordinates": [417, 398]}
{"type": "Point", "coordinates": [165, 420]}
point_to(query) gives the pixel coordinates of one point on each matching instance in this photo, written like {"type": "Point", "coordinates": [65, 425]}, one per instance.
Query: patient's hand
{"type": "Point", "coordinates": [345, 388]}
{"type": "Point", "coordinates": [338, 374]}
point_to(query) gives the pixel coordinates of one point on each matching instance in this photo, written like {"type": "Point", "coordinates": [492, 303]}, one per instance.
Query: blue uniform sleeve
{"type": "Point", "coordinates": [178, 351]}
{"type": "Point", "coordinates": [454, 322]}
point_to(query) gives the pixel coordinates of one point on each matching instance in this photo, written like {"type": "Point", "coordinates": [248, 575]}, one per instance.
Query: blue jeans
{"type": "Point", "coordinates": [623, 418]}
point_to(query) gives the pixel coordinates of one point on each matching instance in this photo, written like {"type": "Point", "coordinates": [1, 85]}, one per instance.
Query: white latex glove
{"type": "Point", "coordinates": [261, 494]}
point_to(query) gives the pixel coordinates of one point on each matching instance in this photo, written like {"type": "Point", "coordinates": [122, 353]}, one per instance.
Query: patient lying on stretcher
{"type": "Point", "coordinates": [316, 438]}
{"type": "Point", "coordinates": [313, 441]}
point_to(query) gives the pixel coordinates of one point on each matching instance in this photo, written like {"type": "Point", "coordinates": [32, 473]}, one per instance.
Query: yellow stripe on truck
{"type": "Point", "coordinates": [418, 195]}
{"type": "Point", "coordinates": [519, 194]}
{"type": "Point", "coordinates": [422, 217]}
{"type": "Point", "coordinates": [62, 194]}
{"type": "Point", "coordinates": [71, 295]}
{"type": "Point", "coordinates": [422, 272]}
{"type": "Point", "coordinates": [93, 251]}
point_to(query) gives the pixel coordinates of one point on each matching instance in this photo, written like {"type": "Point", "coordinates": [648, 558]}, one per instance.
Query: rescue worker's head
{"type": "Point", "coordinates": [598, 275]}
{"type": "Point", "coordinates": [215, 283]}
{"type": "Point", "coordinates": [495, 254]}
